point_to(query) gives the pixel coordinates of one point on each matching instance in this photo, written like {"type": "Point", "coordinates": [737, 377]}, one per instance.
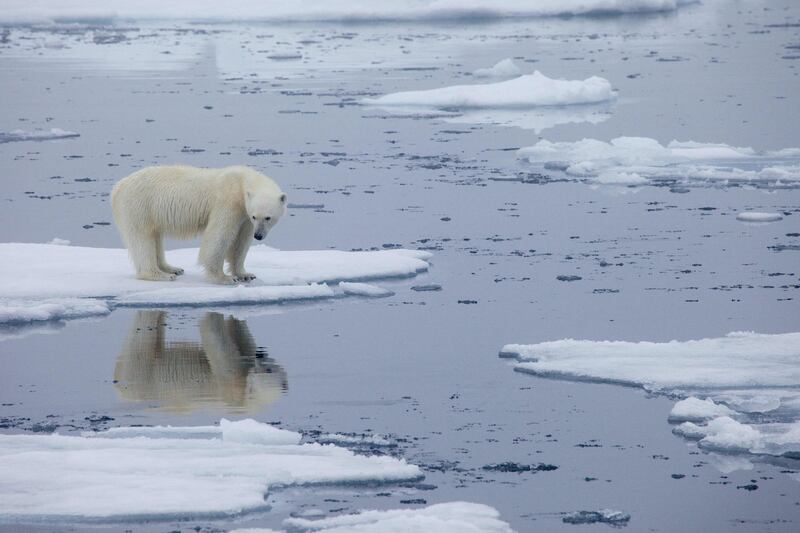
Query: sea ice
{"type": "Point", "coordinates": [526, 91]}
{"type": "Point", "coordinates": [364, 289]}
{"type": "Point", "coordinates": [755, 216]}
{"type": "Point", "coordinates": [38, 135]}
{"type": "Point", "coordinates": [170, 471]}
{"type": "Point", "coordinates": [37, 11]}
{"type": "Point", "coordinates": [35, 279]}
{"type": "Point", "coordinates": [502, 69]}
{"type": "Point", "coordinates": [750, 373]}
{"type": "Point", "coordinates": [639, 160]}
{"type": "Point", "coordinates": [453, 517]}
{"type": "Point", "coordinates": [605, 516]}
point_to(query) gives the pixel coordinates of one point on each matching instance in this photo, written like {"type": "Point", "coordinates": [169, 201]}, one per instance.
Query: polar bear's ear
{"type": "Point", "coordinates": [283, 198]}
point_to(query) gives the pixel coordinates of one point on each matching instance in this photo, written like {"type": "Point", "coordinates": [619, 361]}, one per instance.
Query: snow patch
{"type": "Point", "coordinates": [139, 473]}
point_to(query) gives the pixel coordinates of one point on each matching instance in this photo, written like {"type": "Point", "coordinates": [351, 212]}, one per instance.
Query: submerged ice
{"type": "Point", "coordinates": [170, 471]}
{"type": "Point", "coordinates": [727, 383]}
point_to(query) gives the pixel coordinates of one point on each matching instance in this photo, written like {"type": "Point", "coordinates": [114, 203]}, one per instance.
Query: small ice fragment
{"type": "Point", "coordinates": [426, 288]}
{"type": "Point", "coordinates": [364, 289]}
{"type": "Point", "coordinates": [604, 516]}
{"type": "Point", "coordinates": [502, 69]}
{"type": "Point", "coordinates": [696, 410]}
{"type": "Point", "coordinates": [755, 216]}
{"type": "Point", "coordinates": [59, 242]}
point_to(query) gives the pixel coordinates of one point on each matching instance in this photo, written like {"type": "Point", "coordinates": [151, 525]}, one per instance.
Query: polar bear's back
{"type": "Point", "coordinates": [170, 200]}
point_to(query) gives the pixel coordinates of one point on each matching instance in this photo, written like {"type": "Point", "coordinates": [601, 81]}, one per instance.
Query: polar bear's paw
{"type": "Point", "coordinates": [243, 277]}
{"type": "Point", "coordinates": [173, 270]}
{"type": "Point", "coordinates": [156, 276]}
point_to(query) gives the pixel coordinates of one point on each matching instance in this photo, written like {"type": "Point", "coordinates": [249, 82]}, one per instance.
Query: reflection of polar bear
{"type": "Point", "coordinates": [226, 367]}
{"type": "Point", "coordinates": [227, 205]}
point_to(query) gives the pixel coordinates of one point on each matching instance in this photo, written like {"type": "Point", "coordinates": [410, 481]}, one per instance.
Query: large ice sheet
{"type": "Point", "coordinates": [730, 381]}
{"type": "Point", "coordinates": [530, 90]}
{"type": "Point", "coordinates": [43, 281]}
{"type": "Point", "coordinates": [319, 10]}
{"type": "Point", "coordinates": [642, 160]}
{"type": "Point", "coordinates": [163, 472]}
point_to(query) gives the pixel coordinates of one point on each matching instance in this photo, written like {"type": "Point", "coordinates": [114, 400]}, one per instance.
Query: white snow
{"type": "Point", "coordinates": [38, 135]}
{"type": "Point", "coordinates": [755, 216]}
{"type": "Point", "coordinates": [318, 10]}
{"type": "Point", "coordinates": [16, 311]}
{"type": "Point", "coordinates": [638, 159]}
{"type": "Point", "coordinates": [166, 472]}
{"type": "Point", "coordinates": [35, 277]}
{"type": "Point", "coordinates": [526, 91]}
{"type": "Point", "coordinates": [505, 68]}
{"type": "Point", "coordinates": [738, 376]}
{"type": "Point", "coordinates": [364, 289]}
{"type": "Point", "coordinates": [453, 517]}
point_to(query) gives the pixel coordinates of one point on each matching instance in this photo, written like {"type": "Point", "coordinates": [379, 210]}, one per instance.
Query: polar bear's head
{"type": "Point", "coordinates": [265, 203]}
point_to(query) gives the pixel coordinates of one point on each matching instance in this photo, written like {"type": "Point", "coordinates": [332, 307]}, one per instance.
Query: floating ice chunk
{"type": "Point", "coordinates": [21, 135]}
{"type": "Point", "coordinates": [59, 242]}
{"type": "Point", "coordinates": [748, 371]}
{"type": "Point", "coordinates": [31, 273]}
{"type": "Point", "coordinates": [643, 159]}
{"type": "Point", "coordinates": [364, 289]}
{"type": "Point", "coordinates": [755, 216]}
{"type": "Point", "coordinates": [18, 11]}
{"type": "Point", "coordinates": [502, 69]}
{"type": "Point", "coordinates": [170, 472]}
{"type": "Point", "coordinates": [526, 91]}
{"type": "Point", "coordinates": [18, 311]}
{"type": "Point", "coordinates": [453, 517]}
{"type": "Point", "coordinates": [605, 516]}
{"type": "Point", "coordinates": [696, 410]}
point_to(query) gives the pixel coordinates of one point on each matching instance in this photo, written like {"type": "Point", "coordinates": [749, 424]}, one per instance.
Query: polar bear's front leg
{"type": "Point", "coordinates": [238, 252]}
{"type": "Point", "coordinates": [215, 245]}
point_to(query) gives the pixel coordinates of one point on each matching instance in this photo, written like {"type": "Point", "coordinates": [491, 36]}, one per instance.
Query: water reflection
{"type": "Point", "coordinates": [225, 369]}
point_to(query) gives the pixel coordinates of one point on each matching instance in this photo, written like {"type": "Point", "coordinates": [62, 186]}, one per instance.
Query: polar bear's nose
{"type": "Point", "coordinates": [259, 236]}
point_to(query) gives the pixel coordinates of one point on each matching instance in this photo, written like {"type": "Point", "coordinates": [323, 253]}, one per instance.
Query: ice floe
{"type": "Point", "coordinates": [755, 216]}
{"type": "Point", "coordinates": [731, 382]}
{"type": "Point", "coordinates": [526, 91]}
{"type": "Point", "coordinates": [505, 68]}
{"type": "Point", "coordinates": [16, 11]}
{"type": "Point", "coordinates": [140, 472]}
{"type": "Point", "coordinates": [452, 517]}
{"type": "Point", "coordinates": [49, 281]}
{"type": "Point", "coordinates": [38, 135]}
{"type": "Point", "coordinates": [640, 160]}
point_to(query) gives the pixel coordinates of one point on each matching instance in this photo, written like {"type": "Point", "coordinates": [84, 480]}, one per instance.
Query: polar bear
{"type": "Point", "coordinates": [227, 205]}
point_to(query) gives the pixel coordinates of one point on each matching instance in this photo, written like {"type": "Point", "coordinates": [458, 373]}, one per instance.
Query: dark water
{"type": "Point", "coordinates": [421, 367]}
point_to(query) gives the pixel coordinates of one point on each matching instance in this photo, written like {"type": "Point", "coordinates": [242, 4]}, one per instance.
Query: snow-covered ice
{"type": "Point", "coordinates": [452, 517]}
{"type": "Point", "coordinates": [526, 91]}
{"type": "Point", "coordinates": [637, 160]}
{"type": "Point", "coordinates": [16, 11]}
{"type": "Point", "coordinates": [505, 68]}
{"type": "Point", "coordinates": [170, 471]}
{"type": "Point", "coordinates": [364, 289]}
{"type": "Point", "coordinates": [729, 381]}
{"type": "Point", "coordinates": [41, 279]}
{"type": "Point", "coordinates": [37, 135]}
{"type": "Point", "coordinates": [756, 216]}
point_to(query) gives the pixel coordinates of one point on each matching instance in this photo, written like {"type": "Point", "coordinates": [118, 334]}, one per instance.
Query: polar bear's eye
{"type": "Point", "coordinates": [253, 217]}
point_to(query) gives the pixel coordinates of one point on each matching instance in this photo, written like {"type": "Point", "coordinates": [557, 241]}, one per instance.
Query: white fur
{"type": "Point", "coordinates": [228, 206]}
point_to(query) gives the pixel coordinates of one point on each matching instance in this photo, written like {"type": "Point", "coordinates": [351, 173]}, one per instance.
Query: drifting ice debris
{"type": "Point", "coordinates": [755, 216]}
{"type": "Point", "coordinates": [21, 135]}
{"type": "Point", "coordinates": [605, 516]}
{"type": "Point", "coordinates": [502, 69]}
